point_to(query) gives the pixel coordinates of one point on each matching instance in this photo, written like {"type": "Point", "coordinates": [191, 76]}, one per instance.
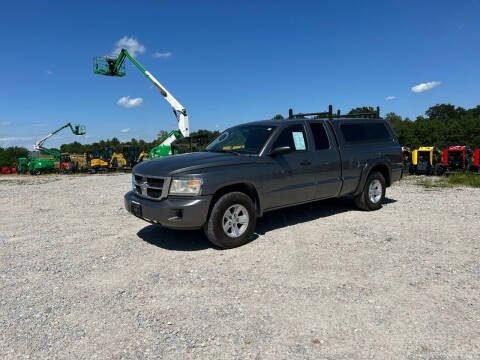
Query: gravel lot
{"type": "Point", "coordinates": [81, 278]}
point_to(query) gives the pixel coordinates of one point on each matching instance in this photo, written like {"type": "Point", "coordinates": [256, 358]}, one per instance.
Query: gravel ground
{"type": "Point", "coordinates": [81, 278]}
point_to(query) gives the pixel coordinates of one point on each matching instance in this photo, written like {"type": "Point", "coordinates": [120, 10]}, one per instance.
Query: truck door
{"type": "Point", "coordinates": [289, 178]}
{"type": "Point", "coordinates": [326, 161]}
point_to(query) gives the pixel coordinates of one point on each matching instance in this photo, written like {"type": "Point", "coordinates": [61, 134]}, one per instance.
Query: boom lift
{"type": "Point", "coordinates": [36, 166]}
{"type": "Point", "coordinates": [115, 66]}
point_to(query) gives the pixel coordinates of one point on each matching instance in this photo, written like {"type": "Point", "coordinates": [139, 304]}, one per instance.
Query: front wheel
{"type": "Point", "coordinates": [373, 194]}
{"type": "Point", "coordinates": [232, 220]}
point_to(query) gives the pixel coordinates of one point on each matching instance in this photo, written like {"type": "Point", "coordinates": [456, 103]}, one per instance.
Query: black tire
{"type": "Point", "coordinates": [363, 200]}
{"type": "Point", "coordinates": [37, 172]}
{"type": "Point", "coordinates": [214, 226]}
{"type": "Point", "coordinates": [411, 170]}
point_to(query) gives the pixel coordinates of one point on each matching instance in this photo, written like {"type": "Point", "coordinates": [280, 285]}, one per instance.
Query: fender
{"type": "Point", "coordinates": [368, 166]}
{"type": "Point", "coordinates": [257, 188]}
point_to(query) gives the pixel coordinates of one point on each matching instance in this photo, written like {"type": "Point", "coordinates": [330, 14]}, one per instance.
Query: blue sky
{"type": "Point", "coordinates": [229, 62]}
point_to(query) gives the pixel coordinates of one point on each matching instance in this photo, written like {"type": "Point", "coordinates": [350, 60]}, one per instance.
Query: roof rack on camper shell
{"type": "Point", "coordinates": [331, 115]}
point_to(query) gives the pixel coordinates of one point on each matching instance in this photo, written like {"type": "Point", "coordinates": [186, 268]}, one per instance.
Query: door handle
{"type": "Point", "coordinates": [306, 162]}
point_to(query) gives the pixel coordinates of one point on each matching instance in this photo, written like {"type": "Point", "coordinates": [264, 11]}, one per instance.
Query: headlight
{"type": "Point", "coordinates": [133, 182]}
{"type": "Point", "coordinates": [185, 186]}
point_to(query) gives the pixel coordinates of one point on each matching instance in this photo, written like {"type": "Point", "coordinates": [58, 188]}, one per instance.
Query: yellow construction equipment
{"type": "Point", "coordinates": [426, 160]}
{"type": "Point", "coordinates": [105, 159]}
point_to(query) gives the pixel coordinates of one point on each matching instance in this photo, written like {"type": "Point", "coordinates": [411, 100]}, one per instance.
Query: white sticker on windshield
{"type": "Point", "coordinates": [299, 140]}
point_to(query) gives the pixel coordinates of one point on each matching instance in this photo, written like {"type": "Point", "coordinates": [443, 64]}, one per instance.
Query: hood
{"type": "Point", "coordinates": [175, 164]}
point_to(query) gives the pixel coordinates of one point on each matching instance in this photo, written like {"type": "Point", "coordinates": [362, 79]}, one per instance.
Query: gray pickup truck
{"type": "Point", "coordinates": [265, 165]}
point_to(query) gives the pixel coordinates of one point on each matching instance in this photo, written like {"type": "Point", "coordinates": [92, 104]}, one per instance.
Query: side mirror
{"type": "Point", "coordinates": [280, 150]}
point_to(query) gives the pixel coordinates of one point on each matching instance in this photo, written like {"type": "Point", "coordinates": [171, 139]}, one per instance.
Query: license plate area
{"type": "Point", "coordinates": [136, 209]}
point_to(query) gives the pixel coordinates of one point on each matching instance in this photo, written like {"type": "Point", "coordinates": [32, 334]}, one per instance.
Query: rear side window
{"type": "Point", "coordinates": [320, 136]}
{"type": "Point", "coordinates": [293, 136]}
{"type": "Point", "coordinates": [362, 132]}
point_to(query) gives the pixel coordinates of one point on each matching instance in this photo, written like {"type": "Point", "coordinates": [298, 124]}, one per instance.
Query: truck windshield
{"type": "Point", "coordinates": [243, 139]}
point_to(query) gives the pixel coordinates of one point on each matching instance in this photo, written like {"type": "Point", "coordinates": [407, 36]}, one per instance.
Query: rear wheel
{"type": "Point", "coordinates": [373, 194]}
{"type": "Point", "coordinates": [37, 172]}
{"type": "Point", "coordinates": [232, 220]}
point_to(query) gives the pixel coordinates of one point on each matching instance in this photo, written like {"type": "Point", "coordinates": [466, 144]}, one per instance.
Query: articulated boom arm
{"type": "Point", "coordinates": [115, 69]}
{"type": "Point", "coordinates": [76, 130]}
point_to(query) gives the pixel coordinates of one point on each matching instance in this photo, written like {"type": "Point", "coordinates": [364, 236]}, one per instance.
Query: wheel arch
{"type": "Point", "coordinates": [247, 188]}
{"type": "Point", "coordinates": [381, 166]}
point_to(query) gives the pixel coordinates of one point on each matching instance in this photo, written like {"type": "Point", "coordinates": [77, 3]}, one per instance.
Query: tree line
{"type": "Point", "coordinates": [197, 141]}
{"type": "Point", "coordinates": [9, 155]}
{"type": "Point", "coordinates": [442, 125]}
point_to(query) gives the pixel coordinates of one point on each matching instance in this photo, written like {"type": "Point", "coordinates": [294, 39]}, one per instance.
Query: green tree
{"type": "Point", "coordinates": [361, 110]}
{"type": "Point", "coordinates": [10, 155]}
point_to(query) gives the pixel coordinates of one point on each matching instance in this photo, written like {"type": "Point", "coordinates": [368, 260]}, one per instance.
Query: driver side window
{"type": "Point", "coordinates": [293, 136]}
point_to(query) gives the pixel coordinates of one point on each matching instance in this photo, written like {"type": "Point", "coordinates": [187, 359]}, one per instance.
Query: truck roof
{"type": "Point", "coordinates": [296, 119]}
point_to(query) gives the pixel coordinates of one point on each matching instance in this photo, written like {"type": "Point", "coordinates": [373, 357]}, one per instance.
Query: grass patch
{"type": "Point", "coordinates": [433, 183]}
{"type": "Point", "coordinates": [465, 179]}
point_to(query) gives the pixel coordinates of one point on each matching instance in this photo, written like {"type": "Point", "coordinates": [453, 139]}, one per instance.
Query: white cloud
{"type": "Point", "coordinates": [5, 123]}
{"type": "Point", "coordinates": [126, 102]}
{"type": "Point", "coordinates": [131, 44]}
{"type": "Point", "coordinates": [425, 86]}
{"type": "Point", "coordinates": [388, 98]}
{"type": "Point", "coordinates": [125, 130]}
{"type": "Point", "coordinates": [162, 55]}
{"type": "Point", "coordinates": [16, 138]}
{"type": "Point", "coordinates": [49, 72]}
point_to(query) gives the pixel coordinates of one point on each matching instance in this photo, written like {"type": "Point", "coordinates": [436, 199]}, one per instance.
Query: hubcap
{"type": "Point", "coordinates": [235, 220]}
{"type": "Point", "coordinates": [375, 191]}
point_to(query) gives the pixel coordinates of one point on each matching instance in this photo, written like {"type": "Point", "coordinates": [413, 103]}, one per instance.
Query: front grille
{"type": "Point", "coordinates": [155, 182]}
{"type": "Point", "coordinates": [151, 187]}
{"type": "Point", "coordinates": [154, 193]}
